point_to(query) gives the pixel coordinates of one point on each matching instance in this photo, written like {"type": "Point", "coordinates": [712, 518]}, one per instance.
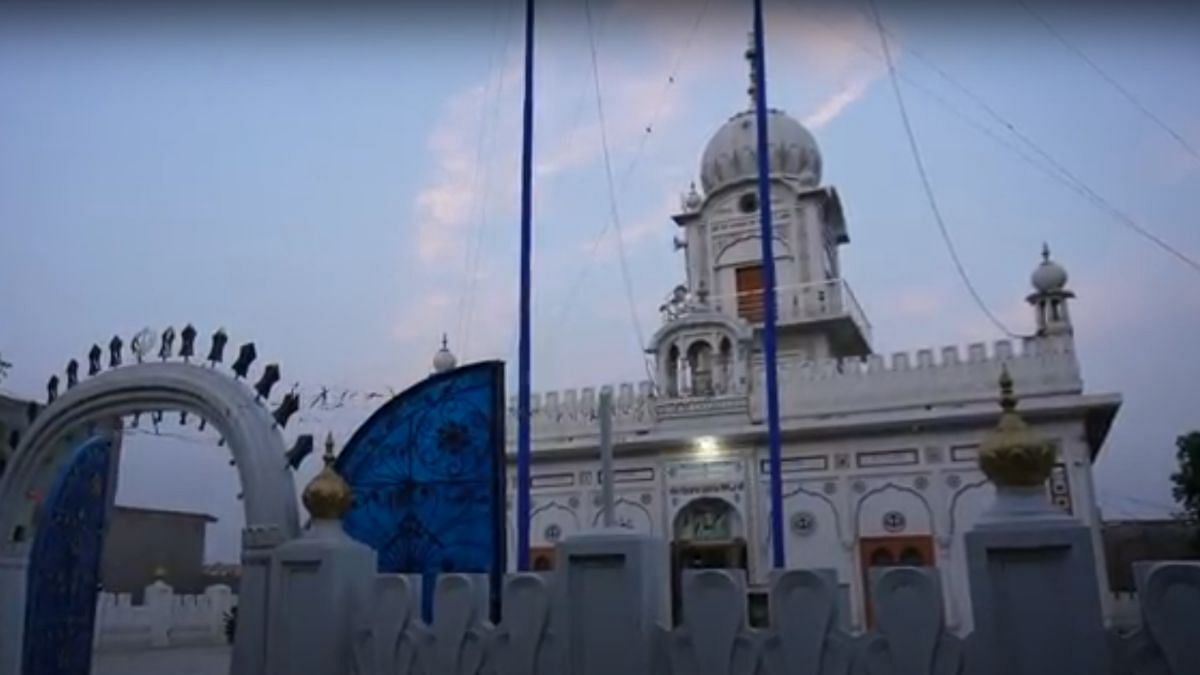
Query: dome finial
{"type": "Point", "coordinates": [327, 496]}
{"type": "Point", "coordinates": [751, 53]}
{"type": "Point", "coordinates": [1010, 454]}
{"type": "Point", "coordinates": [1049, 276]}
{"type": "Point", "coordinates": [1008, 401]}
{"type": "Point", "coordinates": [444, 359]}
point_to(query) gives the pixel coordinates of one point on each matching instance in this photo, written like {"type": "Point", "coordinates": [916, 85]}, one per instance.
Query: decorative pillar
{"type": "Point", "coordinates": [617, 588]}
{"type": "Point", "coordinates": [321, 586]}
{"type": "Point", "coordinates": [1032, 572]}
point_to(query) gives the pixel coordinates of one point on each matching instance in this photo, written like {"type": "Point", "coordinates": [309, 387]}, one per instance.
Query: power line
{"type": "Point", "coordinates": [481, 223]}
{"type": "Point", "coordinates": [1110, 79]}
{"type": "Point", "coordinates": [598, 239]}
{"type": "Point", "coordinates": [1054, 168]}
{"type": "Point", "coordinates": [626, 278]}
{"type": "Point", "coordinates": [924, 176]}
{"type": "Point", "coordinates": [470, 251]}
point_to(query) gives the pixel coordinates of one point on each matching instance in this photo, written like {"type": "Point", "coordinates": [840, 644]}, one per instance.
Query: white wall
{"type": "Point", "coordinates": [163, 620]}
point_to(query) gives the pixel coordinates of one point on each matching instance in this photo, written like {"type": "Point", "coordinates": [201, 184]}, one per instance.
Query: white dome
{"type": "Point", "coordinates": [1049, 277]}
{"type": "Point", "coordinates": [444, 359]}
{"type": "Point", "coordinates": [732, 153]}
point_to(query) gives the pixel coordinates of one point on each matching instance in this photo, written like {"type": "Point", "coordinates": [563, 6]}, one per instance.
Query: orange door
{"type": "Point", "coordinates": [541, 558]}
{"type": "Point", "coordinates": [914, 551]}
{"type": "Point", "coordinates": [749, 293]}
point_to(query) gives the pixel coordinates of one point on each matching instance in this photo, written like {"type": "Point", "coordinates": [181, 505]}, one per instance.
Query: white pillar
{"type": "Point", "coordinates": [158, 601]}
{"type": "Point", "coordinates": [325, 580]}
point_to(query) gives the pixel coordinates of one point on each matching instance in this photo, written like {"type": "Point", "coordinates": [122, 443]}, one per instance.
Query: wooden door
{"type": "Point", "coordinates": [542, 558]}
{"type": "Point", "coordinates": [912, 551]}
{"type": "Point", "coordinates": [749, 293]}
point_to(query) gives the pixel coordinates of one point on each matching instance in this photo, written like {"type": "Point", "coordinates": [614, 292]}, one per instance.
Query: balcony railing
{"type": "Point", "coordinates": [815, 301]}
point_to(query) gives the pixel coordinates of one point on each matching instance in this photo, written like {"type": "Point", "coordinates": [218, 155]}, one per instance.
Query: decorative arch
{"type": "Point", "coordinates": [268, 488]}
{"type": "Point", "coordinates": [886, 487]}
{"type": "Point", "coordinates": [627, 506]}
{"type": "Point", "coordinates": [739, 250]}
{"type": "Point", "coordinates": [700, 511]}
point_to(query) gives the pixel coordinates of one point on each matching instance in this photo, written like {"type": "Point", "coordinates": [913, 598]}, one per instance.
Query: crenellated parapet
{"type": "Point", "coordinates": [926, 377]}
{"type": "Point", "coordinates": [574, 413]}
{"type": "Point", "coordinates": [922, 378]}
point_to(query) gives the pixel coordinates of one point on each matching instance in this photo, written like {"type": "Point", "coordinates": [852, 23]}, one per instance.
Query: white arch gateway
{"type": "Point", "coordinates": [268, 487]}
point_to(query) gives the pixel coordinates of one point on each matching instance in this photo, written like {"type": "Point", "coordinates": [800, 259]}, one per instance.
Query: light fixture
{"type": "Point", "coordinates": [707, 447]}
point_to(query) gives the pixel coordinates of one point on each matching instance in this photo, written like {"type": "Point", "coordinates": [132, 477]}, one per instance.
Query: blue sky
{"type": "Point", "coordinates": [319, 183]}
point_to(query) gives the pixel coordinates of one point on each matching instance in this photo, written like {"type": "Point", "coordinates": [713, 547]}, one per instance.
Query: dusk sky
{"type": "Point", "coordinates": [326, 183]}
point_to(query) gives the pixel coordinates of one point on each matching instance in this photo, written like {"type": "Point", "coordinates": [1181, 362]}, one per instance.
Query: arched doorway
{"type": "Point", "coordinates": [269, 494]}
{"type": "Point", "coordinates": [707, 534]}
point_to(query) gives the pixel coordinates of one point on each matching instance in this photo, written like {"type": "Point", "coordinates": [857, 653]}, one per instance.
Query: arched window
{"type": "Point", "coordinates": [912, 557]}
{"type": "Point", "coordinates": [725, 365]}
{"type": "Point", "coordinates": [672, 373]}
{"type": "Point", "coordinates": [882, 558]}
{"type": "Point", "coordinates": [700, 366]}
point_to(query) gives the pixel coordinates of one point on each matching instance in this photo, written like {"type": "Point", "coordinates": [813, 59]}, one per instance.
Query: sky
{"type": "Point", "coordinates": [341, 187]}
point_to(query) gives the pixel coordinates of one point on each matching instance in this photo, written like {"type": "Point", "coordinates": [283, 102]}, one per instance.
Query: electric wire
{"type": "Point", "coordinates": [614, 212]}
{"type": "Point", "coordinates": [598, 239]}
{"type": "Point", "coordinates": [926, 184]}
{"type": "Point", "coordinates": [482, 222]}
{"type": "Point", "coordinates": [470, 250]}
{"type": "Point", "coordinates": [1054, 168]}
{"type": "Point", "coordinates": [1112, 81]}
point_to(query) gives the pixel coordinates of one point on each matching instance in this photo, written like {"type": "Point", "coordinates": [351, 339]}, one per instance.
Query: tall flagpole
{"type": "Point", "coordinates": [759, 86]}
{"type": "Point", "coordinates": [523, 450]}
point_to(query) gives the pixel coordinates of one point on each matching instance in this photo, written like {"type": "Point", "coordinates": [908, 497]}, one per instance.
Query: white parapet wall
{"type": "Point", "coordinates": [164, 619]}
{"type": "Point", "coordinates": [821, 388]}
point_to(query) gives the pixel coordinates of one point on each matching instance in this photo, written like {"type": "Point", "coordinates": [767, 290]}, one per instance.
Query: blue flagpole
{"type": "Point", "coordinates": [778, 557]}
{"type": "Point", "coordinates": [523, 377]}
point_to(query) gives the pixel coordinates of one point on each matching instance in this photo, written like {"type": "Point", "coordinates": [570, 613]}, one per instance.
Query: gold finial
{"type": "Point", "coordinates": [327, 496]}
{"type": "Point", "coordinates": [328, 456]}
{"type": "Point", "coordinates": [1008, 401]}
{"type": "Point", "coordinates": [160, 572]}
{"type": "Point", "coordinates": [1011, 455]}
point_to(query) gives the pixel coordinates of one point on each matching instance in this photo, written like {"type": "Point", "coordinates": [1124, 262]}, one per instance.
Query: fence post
{"type": "Point", "coordinates": [321, 585]}
{"type": "Point", "coordinates": [613, 590]}
{"type": "Point", "coordinates": [1034, 586]}
{"type": "Point", "coordinates": [159, 597]}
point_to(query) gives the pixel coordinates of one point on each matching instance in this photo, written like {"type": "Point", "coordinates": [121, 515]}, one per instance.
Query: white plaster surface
{"type": "Point", "coordinates": [179, 661]}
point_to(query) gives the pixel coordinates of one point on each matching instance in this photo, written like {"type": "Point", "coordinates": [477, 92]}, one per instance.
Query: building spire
{"type": "Point", "coordinates": [752, 90]}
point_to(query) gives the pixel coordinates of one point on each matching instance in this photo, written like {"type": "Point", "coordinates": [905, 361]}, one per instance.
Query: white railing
{"type": "Point", "coordinates": [798, 302]}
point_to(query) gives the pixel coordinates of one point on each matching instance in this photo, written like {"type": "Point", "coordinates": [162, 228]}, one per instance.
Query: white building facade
{"type": "Point", "coordinates": [878, 455]}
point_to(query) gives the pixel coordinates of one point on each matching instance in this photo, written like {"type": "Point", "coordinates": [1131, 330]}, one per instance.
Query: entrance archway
{"type": "Point", "coordinates": [707, 534]}
{"type": "Point", "coordinates": [268, 488]}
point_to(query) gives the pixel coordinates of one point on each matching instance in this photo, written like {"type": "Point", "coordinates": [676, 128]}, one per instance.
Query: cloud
{"type": "Point", "coordinates": [833, 106]}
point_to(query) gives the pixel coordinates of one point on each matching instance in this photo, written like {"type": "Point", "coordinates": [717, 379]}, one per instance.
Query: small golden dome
{"type": "Point", "coordinates": [327, 496]}
{"type": "Point", "coordinates": [1011, 455]}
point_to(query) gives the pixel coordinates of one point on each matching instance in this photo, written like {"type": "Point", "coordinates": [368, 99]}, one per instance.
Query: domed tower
{"type": "Point", "coordinates": [818, 315]}
{"type": "Point", "coordinates": [1049, 300]}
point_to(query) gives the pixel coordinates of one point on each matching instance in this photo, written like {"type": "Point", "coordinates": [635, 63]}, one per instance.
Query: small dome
{"type": "Point", "coordinates": [328, 496]}
{"type": "Point", "coordinates": [732, 153]}
{"type": "Point", "coordinates": [693, 201]}
{"type": "Point", "coordinates": [444, 359]}
{"type": "Point", "coordinates": [1049, 277]}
